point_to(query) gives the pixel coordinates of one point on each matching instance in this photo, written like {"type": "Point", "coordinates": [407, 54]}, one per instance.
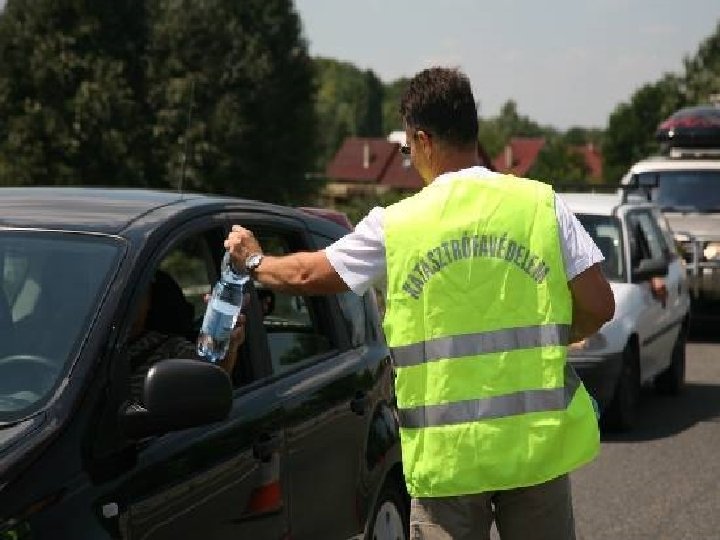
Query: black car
{"type": "Point", "coordinates": [301, 441]}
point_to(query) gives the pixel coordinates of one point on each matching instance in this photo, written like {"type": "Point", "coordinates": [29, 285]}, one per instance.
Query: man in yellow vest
{"type": "Point", "coordinates": [489, 278]}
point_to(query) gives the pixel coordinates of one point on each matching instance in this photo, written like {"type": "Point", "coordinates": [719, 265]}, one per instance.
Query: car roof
{"type": "Point", "coordinates": [109, 210]}
{"type": "Point", "coordinates": [601, 204]}
{"type": "Point", "coordinates": [661, 163]}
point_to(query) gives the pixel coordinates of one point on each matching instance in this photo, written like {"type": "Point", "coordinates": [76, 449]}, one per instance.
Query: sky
{"type": "Point", "coordinates": [564, 62]}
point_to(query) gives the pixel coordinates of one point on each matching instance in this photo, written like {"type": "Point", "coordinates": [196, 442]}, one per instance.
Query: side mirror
{"type": "Point", "coordinates": [178, 394]}
{"type": "Point", "coordinates": [649, 268]}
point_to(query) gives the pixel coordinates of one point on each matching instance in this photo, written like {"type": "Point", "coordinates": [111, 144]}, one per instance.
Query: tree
{"type": "Point", "coordinates": [391, 105]}
{"type": "Point", "coordinates": [349, 103]}
{"type": "Point", "coordinates": [116, 93]}
{"type": "Point", "coordinates": [243, 68]}
{"type": "Point", "coordinates": [495, 133]}
{"type": "Point", "coordinates": [702, 71]}
{"type": "Point", "coordinates": [71, 99]}
{"type": "Point", "coordinates": [558, 164]}
{"type": "Point", "coordinates": [630, 135]}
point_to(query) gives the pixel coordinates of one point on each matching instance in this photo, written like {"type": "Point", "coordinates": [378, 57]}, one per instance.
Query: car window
{"type": "Point", "coordinates": [666, 235]}
{"type": "Point", "coordinates": [605, 232]}
{"type": "Point", "coordinates": [645, 238]}
{"type": "Point", "coordinates": [685, 190]}
{"type": "Point", "coordinates": [171, 307]}
{"type": "Point", "coordinates": [297, 328]}
{"type": "Point", "coordinates": [191, 265]}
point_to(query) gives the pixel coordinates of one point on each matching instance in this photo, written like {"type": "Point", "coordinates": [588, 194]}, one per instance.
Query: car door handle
{"type": "Point", "coordinates": [266, 446]}
{"type": "Point", "coordinates": [359, 403]}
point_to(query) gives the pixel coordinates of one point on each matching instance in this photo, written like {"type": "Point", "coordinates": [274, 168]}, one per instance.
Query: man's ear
{"type": "Point", "coordinates": [425, 143]}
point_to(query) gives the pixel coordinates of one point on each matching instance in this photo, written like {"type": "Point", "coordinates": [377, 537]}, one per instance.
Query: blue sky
{"type": "Point", "coordinates": [565, 62]}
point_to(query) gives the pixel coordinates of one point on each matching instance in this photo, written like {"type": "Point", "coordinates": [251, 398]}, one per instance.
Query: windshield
{"type": "Point", "coordinates": [685, 191]}
{"type": "Point", "coordinates": [606, 233]}
{"type": "Point", "coordinates": [51, 286]}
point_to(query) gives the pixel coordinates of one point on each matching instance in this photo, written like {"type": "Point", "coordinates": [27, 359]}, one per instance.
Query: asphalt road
{"type": "Point", "coordinates": [662, 480]}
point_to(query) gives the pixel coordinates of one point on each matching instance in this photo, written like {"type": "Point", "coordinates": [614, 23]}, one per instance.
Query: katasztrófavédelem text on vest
{"type": "Point", "coordinates": [485, 245]}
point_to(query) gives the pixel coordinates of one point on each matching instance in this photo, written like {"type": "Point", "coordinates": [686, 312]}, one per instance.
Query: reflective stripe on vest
{"type": "Point", "coordinates": [509, 339]}
{"type": "Point", "coordinates": [529, 401]}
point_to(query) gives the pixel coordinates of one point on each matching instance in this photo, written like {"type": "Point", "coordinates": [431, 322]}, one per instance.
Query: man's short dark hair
{"type": "Point", "coordinates": [440, 101]}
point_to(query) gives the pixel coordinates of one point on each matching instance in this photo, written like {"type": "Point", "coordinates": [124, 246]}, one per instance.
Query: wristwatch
{"type": "Point", "coordinates": [253, 261]}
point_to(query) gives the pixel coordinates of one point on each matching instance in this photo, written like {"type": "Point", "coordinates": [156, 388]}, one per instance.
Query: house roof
{"type": "Point", "coordinates": [378, 161]}
{"type": "Point", "coordinates": [593, 159]}
{"type": "Point", "coordinates": [361, 159]}
{"type": "Point", "coordinates": [519, 155]}
{"type": "Point", "coordinates": [401, 174]}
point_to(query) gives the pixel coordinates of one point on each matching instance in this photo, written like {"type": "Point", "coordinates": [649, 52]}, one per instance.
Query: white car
{"type": "Point", "coordinates": [645, 341]}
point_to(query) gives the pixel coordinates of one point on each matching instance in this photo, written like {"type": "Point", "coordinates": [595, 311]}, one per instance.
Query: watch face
{"type": "Point", "coordinates": [253, 261]}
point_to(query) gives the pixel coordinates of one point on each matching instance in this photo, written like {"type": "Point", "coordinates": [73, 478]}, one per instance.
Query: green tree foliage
{"type": "Point", "coordinates": [558, 164]}
{"type": "Point", "coordinates": [245, 69]}
{"type": "Point", "coordinates": [702, 71]}
{"type": "Point", "coordinates": [494, 133]}
{"type": "Point", "coordinates": [392, 94]}
{"type": "Point", "coordinates": [71, 99]}
{"type": "Point", "coordinates": [359, 206]}
{"type": "Point", "coordinates": [630, 135]}
{"type": "Point", "coordinates": [99, 93]}
{"type": "Point", "coordinates": [349, 103]}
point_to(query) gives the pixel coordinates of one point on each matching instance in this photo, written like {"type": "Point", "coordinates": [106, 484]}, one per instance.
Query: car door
{"type": "Point", "coordinates": [326, 380]}
{"type": "Point", "coordinates": [224, 480]}
{"type": "Point", "coordinates": [645, 242]}
{"type": "Point", "coordinates": [678, 300]}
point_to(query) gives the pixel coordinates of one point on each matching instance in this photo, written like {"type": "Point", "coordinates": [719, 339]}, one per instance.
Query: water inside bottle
{"type": "Point", "coordinates": [222, 313]}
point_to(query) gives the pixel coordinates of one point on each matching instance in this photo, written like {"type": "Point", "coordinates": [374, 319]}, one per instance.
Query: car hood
{"type": "Point", "coordinates": [695, 223]}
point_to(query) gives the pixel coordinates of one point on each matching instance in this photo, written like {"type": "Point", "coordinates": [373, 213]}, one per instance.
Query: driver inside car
{"type": "Point", "coordinates": [163, 329]}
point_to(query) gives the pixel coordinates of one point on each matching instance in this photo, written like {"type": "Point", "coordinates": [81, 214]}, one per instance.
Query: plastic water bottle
{"type": "Point", "coordinates": [222, 312]}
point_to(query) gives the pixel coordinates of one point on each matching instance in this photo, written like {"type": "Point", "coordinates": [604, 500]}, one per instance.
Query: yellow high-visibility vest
{"type": "Point", "coordinates": [478, 317]}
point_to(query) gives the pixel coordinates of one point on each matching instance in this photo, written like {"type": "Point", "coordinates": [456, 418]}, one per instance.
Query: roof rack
{"type": "Point", "coordinates": [694, 153]}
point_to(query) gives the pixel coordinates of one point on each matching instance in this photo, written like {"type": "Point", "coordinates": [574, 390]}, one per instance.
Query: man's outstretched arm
{"type": "Point", "coordinates": [305, 272]}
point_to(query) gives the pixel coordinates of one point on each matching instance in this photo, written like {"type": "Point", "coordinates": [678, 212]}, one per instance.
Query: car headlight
{"type": "Point", "coordinates": [595, 342]}
{"type": "Point", "coordinates": [712, 251]}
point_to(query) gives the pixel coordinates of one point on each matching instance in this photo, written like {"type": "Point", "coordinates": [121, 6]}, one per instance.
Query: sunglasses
{"type": "Point", "coordinates": [405, 148]}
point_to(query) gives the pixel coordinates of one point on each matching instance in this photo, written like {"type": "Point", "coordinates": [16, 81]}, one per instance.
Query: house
{"type": "Point", "coordinates": [520, 154]}
{"type": "Point", "coordinates": [368, 166]}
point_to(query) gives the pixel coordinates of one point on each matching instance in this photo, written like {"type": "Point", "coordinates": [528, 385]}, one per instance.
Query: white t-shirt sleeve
{"type": "Point", "coordinates": [579, 250]}
{"type": "Point", "coordinates": [359, 257]}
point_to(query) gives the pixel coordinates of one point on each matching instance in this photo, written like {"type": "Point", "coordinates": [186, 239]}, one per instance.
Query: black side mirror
{"type": "Point", "coordinates": [649, 268]}
{"type": "Point", "coordinates": [179, 394]}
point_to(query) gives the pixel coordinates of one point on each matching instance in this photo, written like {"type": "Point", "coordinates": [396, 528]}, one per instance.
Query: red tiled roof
{"type": "Point", "coordinates": [361, 160]}
{"type": "Point", "coordinates": [385, 164]}
{"type": "Point", "coordinates": [519, 155]}
{"type": "Point", "coordinates": [401, 174]}
{"type": "Point", "coordinates": [593, 159]}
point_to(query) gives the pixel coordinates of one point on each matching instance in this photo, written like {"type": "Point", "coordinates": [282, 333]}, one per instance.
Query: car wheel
{"type": "Point", "coordinates": [672, 380]}
{"type": "Point", "coordinates": [621, 414]}
{"type": "Point", "coordinates": [390, 518]}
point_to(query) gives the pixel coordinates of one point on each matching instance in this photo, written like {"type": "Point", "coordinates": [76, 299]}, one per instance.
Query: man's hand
{"type": "Point", "coordinates": [241, 243]}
